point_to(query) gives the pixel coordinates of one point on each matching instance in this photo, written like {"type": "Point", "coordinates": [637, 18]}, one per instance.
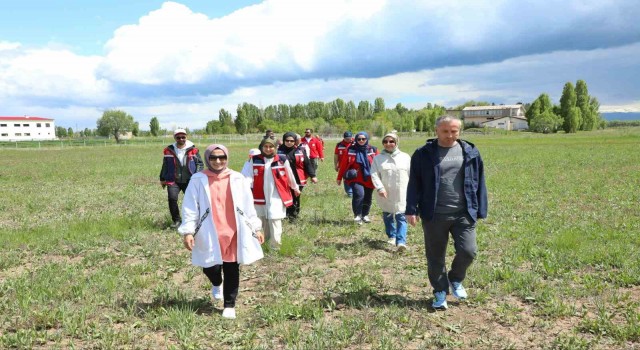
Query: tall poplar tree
{"type": "Point", "coordinates": [154, 126]}
{"type": "Point", "coordinates": [567, 103]}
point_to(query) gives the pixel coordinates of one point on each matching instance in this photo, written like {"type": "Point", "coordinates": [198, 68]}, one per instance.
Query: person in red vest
{"type": "Point", "coordinates": [181, 160]}
{"type": "Point", "coordinates": [355, 169]}
{"type": "Point", "coordinates": [274, 186]}
{"type": "Point", "coordinates": [339, 153]}
{"type": "Point", "coordinates": [316, 148]}
{"type": "Point", "coordinates": [302, 169]}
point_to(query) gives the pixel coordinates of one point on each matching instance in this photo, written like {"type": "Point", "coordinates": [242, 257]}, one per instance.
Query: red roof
{"type": "Point", "coordinates": [25, 118]}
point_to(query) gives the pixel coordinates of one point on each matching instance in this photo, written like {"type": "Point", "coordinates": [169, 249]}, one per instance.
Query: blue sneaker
{"type": "Point", "coordinates": [439, 300]}
{"type": "Point", "coordinates": [458, 290]}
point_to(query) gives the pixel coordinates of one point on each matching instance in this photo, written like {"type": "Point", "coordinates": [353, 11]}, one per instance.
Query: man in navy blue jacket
{"type": "Point", "coordinates": [447, 191]}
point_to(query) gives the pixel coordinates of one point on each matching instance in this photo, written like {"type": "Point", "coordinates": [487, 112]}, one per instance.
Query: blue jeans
{"type": "Point", "coordinates": [395, 225]}
{"type": "Point", "coordinates": [347, 189]}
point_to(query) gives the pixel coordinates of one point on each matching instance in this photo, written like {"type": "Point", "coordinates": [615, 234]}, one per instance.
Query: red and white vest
{"type": "Point", "coordinates": [279, 172]}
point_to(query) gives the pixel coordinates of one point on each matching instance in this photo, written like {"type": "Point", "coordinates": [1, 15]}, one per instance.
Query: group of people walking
{"type": "Point", "coordinates": [228, 215]}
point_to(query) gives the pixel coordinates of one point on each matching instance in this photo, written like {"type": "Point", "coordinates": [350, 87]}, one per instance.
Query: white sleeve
{"type": "Point", "coordinates": [247, 172]}
{"type": "Point", "coordinates": [292, 179]}
{"type": "Point", "coordinates": [375, 176]}
{"type": "Point", "coordinates": [250, 210]}
{"type": "Point", "coordinates": [190, 208]}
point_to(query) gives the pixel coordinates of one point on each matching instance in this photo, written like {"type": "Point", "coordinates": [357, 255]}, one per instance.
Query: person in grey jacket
{"type": "Point", "coordinates": [390, 176]}
{"type": "Point", "coordinates": [447, 190]}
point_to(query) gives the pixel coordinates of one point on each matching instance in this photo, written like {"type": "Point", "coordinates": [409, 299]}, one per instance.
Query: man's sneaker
{"type": "Point", "coordinates": [366, 219]}
{"type": "Point", "coordinates": [357, 219]}
{"type": "Point", "coordinates": [216, 291]}
{"type": "Point", "coordinates": [458, 290]}
{"type": "Point", "coordinates": [402, 248]}
{"type": "Point", "coordinates": [392, 241]}
{"type": "Point", "coordinates": [439, 300]}
{"type": "Point", "coordinates": [229, 313]}
{"type": "Point", "coordinates": [175, 224]}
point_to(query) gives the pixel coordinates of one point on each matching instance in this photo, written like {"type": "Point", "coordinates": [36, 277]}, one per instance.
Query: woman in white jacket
{"type": "Point", "coordinates": [273, 185]}
{"type": "Point", "coordinates": [390, 176]}
{"type": "Point", "coordinates": [220, 226]}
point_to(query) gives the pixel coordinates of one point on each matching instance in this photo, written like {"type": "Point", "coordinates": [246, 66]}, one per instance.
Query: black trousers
{"type": "Point", "coordinates": [173, 191]}
{"type": "Point", "coordinates": [231, 272]}
{"type": "Point", "coordinates": [294, 210]}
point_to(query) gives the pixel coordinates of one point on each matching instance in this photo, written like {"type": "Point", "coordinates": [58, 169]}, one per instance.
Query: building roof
{"type": "Point", "coordinates": [484, 108]}
{"type": "Point", "coordinates": [510, 117]}
{"type": "Point", "coordinates": [25, 118]}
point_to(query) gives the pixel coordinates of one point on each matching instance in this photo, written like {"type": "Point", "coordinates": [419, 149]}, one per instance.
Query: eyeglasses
{"type": "Point", "coordinates": [388, 141]}
{"type": "Point", "coordinates": [361, 139]}
{"type": "Point", "coordinates": [181, 137]}
{"type": "Point", "coordinates": [221, 158]}
{"type": "Point", "coordinates": [289, 140]}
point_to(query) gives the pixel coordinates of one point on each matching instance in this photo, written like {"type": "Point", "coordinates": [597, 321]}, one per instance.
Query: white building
{"type": "Point", "coordinates": [26, 129]}
{"type": "Point", "coordinates": [508, 123]}
{"type": "Point", "coordinates": [507, 117]}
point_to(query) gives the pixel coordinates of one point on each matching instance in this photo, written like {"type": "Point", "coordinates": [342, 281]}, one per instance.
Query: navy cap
{"type": "Point", "coordinates": [347, 134]}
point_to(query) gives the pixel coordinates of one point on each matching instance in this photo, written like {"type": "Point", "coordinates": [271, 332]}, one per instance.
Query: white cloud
{"type": "Point", "coordinates": [50, 74]}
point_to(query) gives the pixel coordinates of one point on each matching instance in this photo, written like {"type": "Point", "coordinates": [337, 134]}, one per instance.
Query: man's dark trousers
{"type": "Point", "coordinates": [173, 191]}
{"type": "Point", "coordinates": [436, 237]}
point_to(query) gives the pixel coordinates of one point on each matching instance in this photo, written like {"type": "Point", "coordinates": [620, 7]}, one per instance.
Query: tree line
{"type": "Point", "coordinates": [325, 118]}
{"type": "Point", "coordinates": [577, 111]}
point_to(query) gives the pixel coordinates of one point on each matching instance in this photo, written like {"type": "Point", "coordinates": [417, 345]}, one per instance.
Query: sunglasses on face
{"type": "Point", "coordinates": [361, 139]}
{"type": "Point", "coordinates": [388, 141]}
{"type": "Point", "coordinates": [222, 158]}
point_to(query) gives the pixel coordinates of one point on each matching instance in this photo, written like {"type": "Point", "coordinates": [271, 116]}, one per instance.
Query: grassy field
{"type": "Point", "coordinates": [87, 260]}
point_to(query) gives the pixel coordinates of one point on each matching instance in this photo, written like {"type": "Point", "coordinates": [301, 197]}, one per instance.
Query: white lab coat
{"type": "Point", "coordinates": [197, 199]}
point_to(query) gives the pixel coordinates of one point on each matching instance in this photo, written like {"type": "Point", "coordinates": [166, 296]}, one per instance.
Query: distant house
{"type": "Point", "coordinates": [507, 117]}
{"type": "Point", "coordinates": [27, 129]}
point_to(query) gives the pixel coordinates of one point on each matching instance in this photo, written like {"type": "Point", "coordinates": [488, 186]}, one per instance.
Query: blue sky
{"type": "Point", "coordinates": [183, 61]}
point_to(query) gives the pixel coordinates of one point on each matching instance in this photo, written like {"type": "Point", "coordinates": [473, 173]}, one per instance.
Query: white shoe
{"type": "Point", "coordinates": [357, 220]}
{"type": "Point", "coordinates": [229, 313]}
{"type": "Point", "coordinates": [216, 291]}
{"type": "Point", "coordinates": [366, 219]}
{"type": "Point", "coordinates": [402, 248]}
{"type": "Point", "coordinates": [392, 241]}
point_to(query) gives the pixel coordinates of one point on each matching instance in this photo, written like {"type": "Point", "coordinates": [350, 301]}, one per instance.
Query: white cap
{"type": "Point", "coordinates": [254, 152]}
{"type": "Point", "coordinates": [179, 131]}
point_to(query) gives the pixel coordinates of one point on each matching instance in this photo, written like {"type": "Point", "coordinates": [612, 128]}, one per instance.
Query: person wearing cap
{"type": "Point", "coordinates": [181, 160]}
{"type": "Point", "coordinates": [273, 185]}
{"type": "Point", "coordinates": [355, 169]}
{"type": "Point", "coordinates": [316, 147]}
{"type": "Point", "coordinates": [447, 192]}
{"type": "Point", "coordinates": [302, 169]}
{"type": "Point", "coordinates": [339, 152]}
{"type": "Point", "coordinates": [390, 176]}
{"type": "Point", "coordinates": [220, 226]}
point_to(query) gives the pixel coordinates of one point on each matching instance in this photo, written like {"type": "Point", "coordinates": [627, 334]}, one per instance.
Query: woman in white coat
{"type": "Point", "coordinates": [220, 226]}
{"type": "Point", "coordinates": [273, 185]}
{"type": "Point", "coordinates": [390, 176]}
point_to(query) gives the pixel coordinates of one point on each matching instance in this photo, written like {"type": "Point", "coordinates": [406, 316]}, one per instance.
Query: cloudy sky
{"type": "Point", "coordinates": [183, 61]}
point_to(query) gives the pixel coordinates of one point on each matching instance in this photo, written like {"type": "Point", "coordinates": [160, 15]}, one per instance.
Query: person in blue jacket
{"type": "Point", "coordinates": [447, 191]}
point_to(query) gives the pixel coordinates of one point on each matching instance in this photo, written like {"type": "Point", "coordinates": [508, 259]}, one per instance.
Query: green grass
{"type": "Point", "coordinates": [87, 260]}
